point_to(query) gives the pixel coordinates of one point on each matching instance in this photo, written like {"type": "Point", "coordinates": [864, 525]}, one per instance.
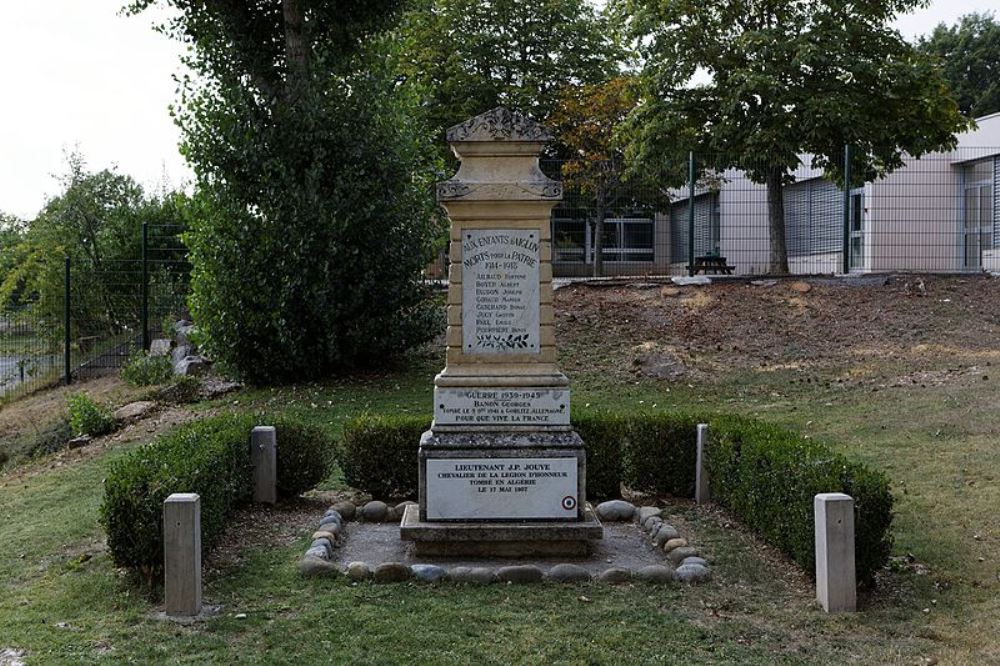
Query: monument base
{"type": "Point", "coordinates": [478, 539]}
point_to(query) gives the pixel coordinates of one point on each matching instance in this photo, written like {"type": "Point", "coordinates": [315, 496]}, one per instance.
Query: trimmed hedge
{"type": "Point", "coordinates": [209, 457]}
{"type": "Point", "coordinates": [765, 475]}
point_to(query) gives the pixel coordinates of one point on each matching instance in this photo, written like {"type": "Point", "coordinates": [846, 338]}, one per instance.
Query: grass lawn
{"type": "Point", "coordinates": [62, 601]}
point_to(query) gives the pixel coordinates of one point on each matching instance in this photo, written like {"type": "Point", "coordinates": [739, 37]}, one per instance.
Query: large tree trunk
{"type": "Point", "coordinates": [776, 222]}
{"type": "Point", "coordinates": [296, 51]}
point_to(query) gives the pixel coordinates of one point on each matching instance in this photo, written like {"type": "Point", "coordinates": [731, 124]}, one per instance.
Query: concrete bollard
{"type": "Point", "coordinates": [701, 481]}
{"type": "Point", "coordinates": [836, 588]}
{"type": "Point", "coordinates": [182, 554]}
{"type": "Point", "coordinates": [264, 456]}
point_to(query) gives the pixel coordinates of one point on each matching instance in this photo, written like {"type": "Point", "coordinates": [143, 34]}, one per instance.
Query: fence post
{"type": "Point", "coordinates": [701, 479]}
{"type": "Point", "coordinates": [67, 360]}
{"type": "Point", "coordinates": [847, 210]}
{"type": "Point", "coordinates": [263, 455]}
{"type": "Point", "coordinates": [691, 176]}
{"type": "Point", "coordinates": [836, 586]}
{"type": "Point", "coordinates": [182, 554]}
{"type": "Point", "coordinates": [145, 286]}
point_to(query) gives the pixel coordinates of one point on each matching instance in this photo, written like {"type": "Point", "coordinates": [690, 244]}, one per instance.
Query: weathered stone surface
{"type": "Point", "coordinates": [347, 510]}
{"type": "Point", "coordinates": [314, 567]}
{"type": "Point", "coordinates": [324, 544]}
{"type": "Point", "coordinates": [428, 573]}
{"type": "Point", "coordinates": [191, 365]}
{"type": "Point", "coordinates": [647, 512]}
{"type": "Point", "coordinates": [319, 552]}
{"type": "Point", "coordinates": [692, 574]}
{"type": "Point", "coordinates": [523, 573]}
{"type": "Point", "coordinates": [134, 410]}
{"type": "Point", "coordinates": [374, 512]}
{"type": "Point", "coordinates": [331, 525]}
{"type": "Point", "coordinates": [677, 555]}
{"type": "Point", "coordinates": [666, 532]}
{"type": "Point", "coordinates": [474, 575]}
{"type": "Point", "coordinates": [651, 522]}
{"type": "Point", "coordinates": [695, 560]}
{"type": "Point", "coordinates": [499, 124]}
{"type": "Point", "coordinates": [801, 287]}
{"type": "Point", "coordinates": [180, 353]}
{"type": "Point", "coordinates": [671, 544]}
{"type": "Point", "coordinates": [359, 571]}
{"type": "Point", "coordinates": [669, 292]}
{"type": "Point", "coordinates": [615, 510]}
{"type": "Point", "coordinates": [184, 329]}
{"type": "Point", "coordinates": [568, 573]}
{"type": "Point", "coordinates": [324, 534]}
{"type": "Point", "coordinates": [656, 574]}
{"type": "Point", "coordinates": [391, 515]}
{"type": "Point", "coordinates": [615, 575]}
{"type": "Point", "coordinates": [159, 347]}
{"type": "Point", "coordinates": [392, 572]}
{"type": "Point", "coordinates": [79, 442]}
{"type": "Point", "coordinates": [400, 508]}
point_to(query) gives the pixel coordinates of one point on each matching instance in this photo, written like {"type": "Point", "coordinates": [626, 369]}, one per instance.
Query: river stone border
{"type": "Point", "coordinates": [683, 562]}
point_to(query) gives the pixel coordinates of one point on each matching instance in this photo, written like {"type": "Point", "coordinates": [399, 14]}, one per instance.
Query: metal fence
{"type": "Point", "coordinates": [936, 214]}
{"type": "Point", "coordinates": [106, 312]}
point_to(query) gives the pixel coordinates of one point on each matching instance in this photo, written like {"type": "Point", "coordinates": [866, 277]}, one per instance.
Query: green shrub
{"type": "Point", "coordinates": [379, 454]}
{"type": "Point", "coordinates": [659, 454]}
{"type": "Point", "coordinates": [88, 418]}
{"type": "Point", "coordinates": [211, 458]}
{"type": "Point", "coordinates": [604, 436]}
{"type": "Point", "coordinates": [145, 370]}
{"type": "Point", "coordinates": [768, 477]}
{"type": "Point", "coordinates": [182, 390]}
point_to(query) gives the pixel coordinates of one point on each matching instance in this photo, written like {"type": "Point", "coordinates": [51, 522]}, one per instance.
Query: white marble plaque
{"type": "Point", "coordinates": [497, 488]}
{"type": "Point", "coordinates": [500, 307]}
{"type": "Point", "coordinates": [514, 407]}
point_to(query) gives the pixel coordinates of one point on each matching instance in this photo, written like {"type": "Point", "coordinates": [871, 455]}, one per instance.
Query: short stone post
{"type": "Point", "coordinates": [835, 576]}
{"type": "Point", "coordinates": [701, 480]}
{"type": "Point", "coordinates": [264, 456]}
{"type": "Point", "coordinates": [182, 554]}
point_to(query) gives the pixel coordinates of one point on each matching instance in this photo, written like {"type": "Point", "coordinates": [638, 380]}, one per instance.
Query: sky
{"type": "Point", "coordinates": [76, 75]}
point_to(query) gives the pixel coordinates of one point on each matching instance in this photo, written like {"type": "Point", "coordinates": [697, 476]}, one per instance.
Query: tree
{"type": "Point", "coordinates": [468, 56]}
{"type": "Point", "coordinates": [314, 185]}
{"type": "Point", "coordinates": [784, 79]}
{"type": "Point", "coordinates": [969, 53]}
{"type": "Point", "coordinates": [586, 121]}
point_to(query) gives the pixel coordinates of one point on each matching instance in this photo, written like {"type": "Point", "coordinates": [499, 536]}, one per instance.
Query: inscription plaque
{"type": "Point", "coordinates": [500, 281]}
{"type": "Point", "coordinates": [490, 488]}
{"type": "Point", "coordinates": [518, 407]}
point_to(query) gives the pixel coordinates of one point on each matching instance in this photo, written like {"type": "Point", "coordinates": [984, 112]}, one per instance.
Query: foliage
{"type": "Point", "coordinates": [754, 85]}
{"type": "Point", "coordinates": [969, 54]}
{"type": "Point", "coordinates": [210, 457]}
{"type": "Point", "coordinates": [315, 213]}
{"type": "Point", "coordinates": [87, 417]}
{"type": "Point", "coordinates": [469, 56]}
{"type": "Point", "coordinates": [143, 369]}
{"type": "Point", "coordinates": [379, 454]}
{"type": "Point", "coordinates": [11, 234]}
{"type": "Point", "coordinates": [768, 478]}
{"type": "Point", "coordinates": [96, 221]}
{"type": "Point", "coordinates": [765, 475]}
{"type": "Point", "coordinates": [586, 121]}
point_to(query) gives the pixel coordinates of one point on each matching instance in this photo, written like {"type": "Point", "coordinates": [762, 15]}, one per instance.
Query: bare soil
{"type": "Point", "coordinates": [936, 327]}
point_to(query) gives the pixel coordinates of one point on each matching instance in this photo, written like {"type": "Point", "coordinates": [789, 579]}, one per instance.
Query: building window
{"type": "Point", "coordinates": [569, 240]}
{"type": "Point", "coordinates": [625, 240]}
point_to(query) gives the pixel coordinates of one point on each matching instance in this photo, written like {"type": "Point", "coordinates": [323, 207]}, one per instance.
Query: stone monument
{"type": "Point", "coordinates": [502, 472]}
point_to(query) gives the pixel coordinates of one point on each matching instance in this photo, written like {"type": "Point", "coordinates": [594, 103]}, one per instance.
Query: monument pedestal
{"type": "Point", "coordinates": [502, 473]}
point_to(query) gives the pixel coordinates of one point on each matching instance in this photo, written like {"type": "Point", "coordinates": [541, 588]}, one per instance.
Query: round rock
{"type": "Point", "coordinates": [568, 573]}
{"type": "Point", "coordinates": [316, 567]}
{"type": "Point", "coordinates": [323, 544]}
{"type": "Point", "coordinates": [666, 529]}
{"type": "Point", "coordinates": [358, 571]}
{"type": "Point", "coordinates": [615, 576]}
{"type": "Point", "coordinates": [647, 512]}
{"type": "Point", "coordinates": [346, 510]}
{"type": "Point", "coordinates": [474, 575]}
{"type": "Point", "coordinates": [326, 521]}
{"type": "Point", "coordinates": [374, 511]}
{"type": "Point", "coordinates": [695, 560]}
{"type": "Point", "coordinates": [692, 574]}
{"type": "Point", "coordinates": [657, 574]}
{"type": "Point", "coordinates": [522, 573]}
{"type": "Point", "coordinates": [391, 515]}
{"type": "Point", "coordinates": [428, 573]}
{"type": "Point", "coordinates": [401, 507]}
{"type": "Point", "coordinates": [615, 511]}
{"type": "Point", "coordinates": [652, 523]}
{"type": "Point", "coordinates": [678, 555]}
{"type": "Point", "coordinates": [671, 544]}
{"type": "Point", "coordinates": [392, 572]}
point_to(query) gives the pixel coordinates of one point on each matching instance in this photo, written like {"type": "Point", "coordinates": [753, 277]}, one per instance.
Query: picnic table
{"type": "Point", "coordinates": [712, 264]}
